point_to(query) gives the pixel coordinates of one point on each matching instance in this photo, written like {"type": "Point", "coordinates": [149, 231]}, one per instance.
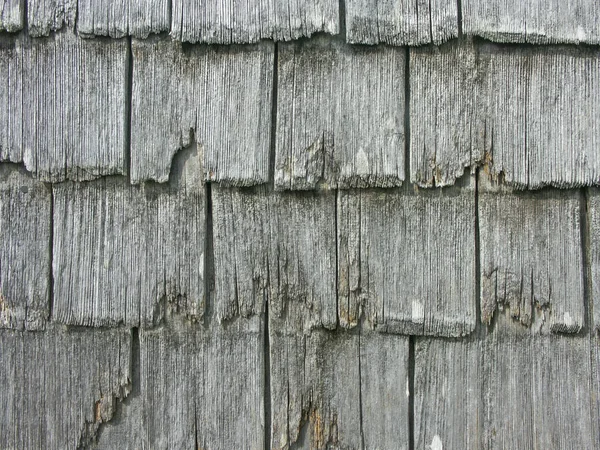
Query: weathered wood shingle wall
{"type": "Point", "coordinates": [363, 224]}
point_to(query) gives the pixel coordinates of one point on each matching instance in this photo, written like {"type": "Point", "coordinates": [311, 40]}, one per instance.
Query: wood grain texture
{"type": "Point", "coordinates": [533, 21]}
{"type": "Point", "coordinates": [401, 22]}
{"type": "Point", "coordinates": [60, 385]}
{"type": "Point", "coordinates": [594, 251]}
{"type": "Point", "coordinates": [278, 247]}
{"type": "Point", "coordinates": [340, 116]}
{"type": "Point", "coordinates": [407, 260]}
{"type": "Point", "coordinates": [526, 113]}
{"type": "Point", "coordinates": [539, 391]}
{"type": "Point", "coordinates": [114, 18]}
{"type": "Point", "coordinates": [217, 96]}
{"type": "Point", "coordinates": [200, 387]}
{"type": "Point", "coordinates": [316, 385]}
{"type": "Point", "coordinates": [25, 236]}
{"type": "Point", "coordinates": [12, 15]}
{"type": "Point", "coordinates": [227, 22]}
{"type": "Point", "coordinates": [531, 257]}
{"type": "Point", "coordinates": [128, 254]}
{"type": "Point", "coordinates": [448, 393]}
{"type": "Point", "coordinates": [63, 105]}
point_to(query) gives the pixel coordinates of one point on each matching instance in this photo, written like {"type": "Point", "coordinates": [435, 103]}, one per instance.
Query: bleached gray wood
{"type": "Point", "coordinates": [12, 15]}
{"type": "Point", "coordinates": [25, 235]}
{"type": "Point", "coordinates": [220, 95]}
{"type": "Point", "coordinates": [63, 105]}
{"type": "Point", "coordinates": [59, 386]}
{"type": "Point", "coordinates": [316, 383]}
{"type": "Point", "coordinates": [46, 16]}
{"type": "Point", "coordinates": [227, 22]}
{"type": "Point", "coordinates": [448, 394]}
{"type": "Point", "coordinates": [340, 115]}
{"type": "Point", "coordinates": [593, 251]}
{"type": "Point", "coordinates": [538, 390]}
{"type": "Point", "coordinates": [128, 254]}
{"type": "Point", "coordinates": [531, 257]}
{"type": "Point", "coordinates": [119, 18]}
{"type": "Point", "coordinates": [401, 22]}
{"type": "Point", "coordinates": [526, 113]}
{"type": "Point", "coordinates": [448, 123]}
{"type": "Point", "coordinates": [406, 260]}
{"type": "Point", "coordinates": [200, 388]}
{"type": "Point", "coordinates": [278, 247]}
{"type": "Point", "coordinates": [533, 21]}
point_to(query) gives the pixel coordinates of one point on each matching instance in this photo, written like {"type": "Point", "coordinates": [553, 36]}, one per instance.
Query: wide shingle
{"type": "Point", "coordinates": [340, 116]}
{"type": "Point", "coordinates": [218, 96]}
{"type": "Point", "coordinates": [12, 15]}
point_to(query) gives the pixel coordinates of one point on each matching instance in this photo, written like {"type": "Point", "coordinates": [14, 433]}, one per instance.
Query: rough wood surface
{"type": "Point", "coordinates": [200, 387]}
{"type": "Point", "coordinates": [59, 386]}
{"type": "Point", "coordinates": [526, 113]}
{"type": "Point", "coordinates": [447, 129]}
{"type": "Point", "coordinates": [25, 236]}
{"type": "Point", "coordinates": [539, 391]}
{"type": "Point", "coordinates": [219, 96]}
{"type": "Point", "coordinates": [407, 260]}
{"type": "Point", "coordinates": [114, 18]}
{"type": "Point", "coordinates": [401, 22]}
{"type": "Point", "coordinates": [225, 22]}
{"type": "Point", "coordinates": [531, 257]}
{"type": "Point", "coordinates": [126, 254]}
{"type": "Point", "coordinates": [533, 21]}
{"type": "Point", "coordinates": [12, 15]}
{"type": "Point", "coordinates": [322, 383]}
{"type": "Point", "coordinates": [594, 251]}
{"type": "Point", "coordinates": [340, 115]}
{"type": "Point", "coordinates": [448, 398]}
{"type": "Point", "coordinates": [275, 246]}
{"type": "Point", "coordinates": [63, 105]}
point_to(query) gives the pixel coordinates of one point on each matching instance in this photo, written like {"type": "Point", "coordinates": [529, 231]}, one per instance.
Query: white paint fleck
{"type": "Point", "coordinates": [436, 444]}
{"type": "Point", "coordinates": [418, 311]}
{"type": "Point", "coordinates": [202, 265]}
{"type": "Point", "coordinates": [407, 387]}
{"type": "Point", "coordinates": [362, 162]}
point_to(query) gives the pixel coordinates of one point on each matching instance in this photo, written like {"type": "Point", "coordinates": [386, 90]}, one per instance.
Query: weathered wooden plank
{"type": "Point", "coordinates": [63, 103]}
{"type": "Point", "coordinates": [527, 113]}
{"type": "Point", "coordinates": [316, 383]}
{"type": "Point", "coordinates": [531, 257]}
{"type": "Point", "coordinates": [226, 22]}
{"type": "Point", "coordinates": [340, 115]}
{"type": "Point", "coordinates": [447, 132]}
{"type": "Point", "coordinates": [533, 21]}
{"type": "Point", "coordinates": [25, 235]}
{"type": "Point", "coordinates": [448, 398]}
{"type": "Point", "coordinates": [200, 387]}
{"type": "Point", "coordinates": [222, 95]}
{"type": "Point", "coordinates": [407, 260]}
{"type": "Point", "coordinates": [593, 251]}
{"type": "Point", "coordinates": [401, 22]}
{"type": "Point", "coordinates": [126, 254]}
{"type": "Point", "coordinates": [12, 15]}
{"type": "Point", "coordinates": [114, 18]}
{"type": "Point", "coordinates": [275, 246]}
{"type": "Point", "coordinates": [538, 390]}
{"type": "Point", "coordinates": [60, 385]}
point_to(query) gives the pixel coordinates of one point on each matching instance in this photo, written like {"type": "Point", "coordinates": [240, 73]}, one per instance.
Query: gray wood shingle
{"type": "Point", "coordinates": [219, 96]}
{"type": "Point", "coordinates": [127, 254]}
{"type": "Point", "coordinates": [401, 22]}
{"type": "Point", "coordinates": [340, 116]}
{"type": "Point", "coordinates": [60, 385]}
{"type": "Point", "coordinates": [533, 21]}
{"type": "Point", "coordinates": [12, 15]}
{"type": "Point", "coordinates": [406, 260]}
{"type": "Point", "coordinates": [25, 236]}
{"type": "Point", "coordinates": [594, 251]}
{"type": "Point", "coordinates": [227, 22]}
{"type": "Point", "coordinates": [63, 103]}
